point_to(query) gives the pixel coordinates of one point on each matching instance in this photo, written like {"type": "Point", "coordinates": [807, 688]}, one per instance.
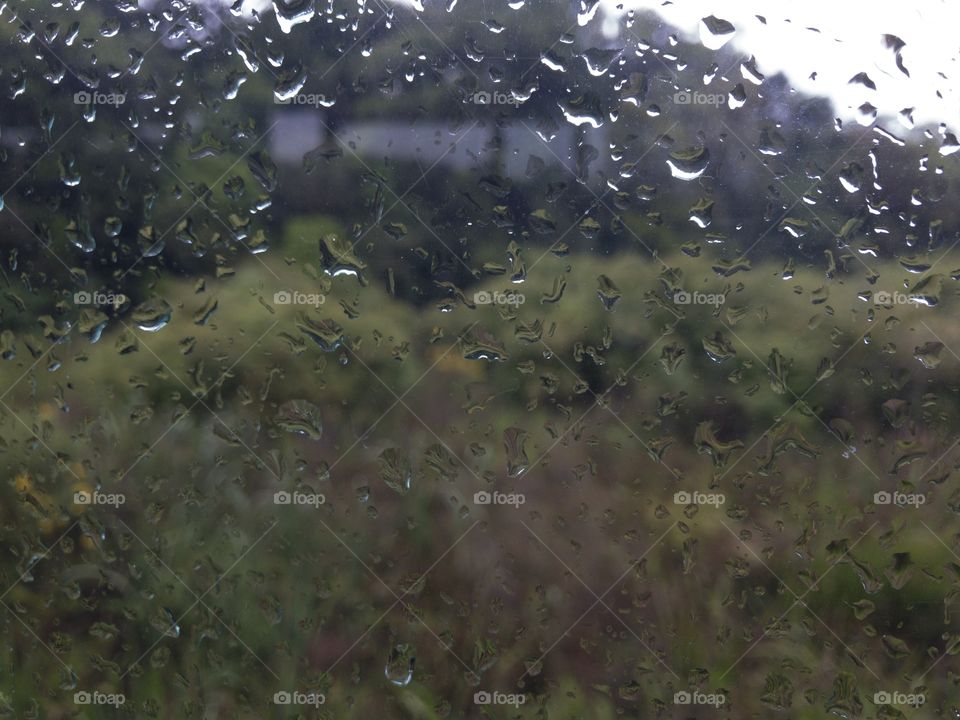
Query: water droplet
{"type": "Point", "coordinates": [716, 32]}
{"type": "Point", "coordinates": [395, 470]}
{"type": "Point", "coordinates": [582, 110]}
{"type": "Point", "coordinates": [598, 61]}
{"type": "Point", "coordinates": [479, 344]}
{"type": "Point", "coordinates": [300, 417]}
{"type": "Point", "coordinates": [153, 314]}
{"type": "Point", "coordinates": [327, 334]}
{"type": "Point", "coordinates": [338, 258]}
{"type": "Point", "coordinates": [929, 354]}
{"type": "Point", "coordinates": [608, 292]}
{"type": "Point", "coordinates": [689, 164]}
{"type": "Point", "coordinates": [588, 9]}
{"type": "Point", "coordinates": [400, 664]}
{"type": "Point", "coordinates": [514, 440]}
{"type": "Point", "coordinates": [293, 12]}
{"type": "Point", "coordinates": [112, 226]}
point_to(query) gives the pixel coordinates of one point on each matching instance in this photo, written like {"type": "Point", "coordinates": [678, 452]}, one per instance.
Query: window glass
{"type": "Point", "coordinates": [478, 359]}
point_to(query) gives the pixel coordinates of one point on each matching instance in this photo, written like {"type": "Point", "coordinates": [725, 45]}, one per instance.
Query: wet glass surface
{"type": "Point", "coordinates": [483, 359]}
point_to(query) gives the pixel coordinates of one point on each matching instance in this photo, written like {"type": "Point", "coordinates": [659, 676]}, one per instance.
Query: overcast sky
{"type": "Point", "coordinates": [837, 40]}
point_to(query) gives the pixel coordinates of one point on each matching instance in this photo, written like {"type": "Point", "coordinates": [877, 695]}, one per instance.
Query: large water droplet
{"type": "Point", "coordinates": [582, 110]}
{"type": "Point", "coordinates": [152, 314]}
{"type": "Point", "coordinates": [514, 440]}
{"type": "Point", "coordinates": [689, 164]}
{"type": "Point", "coordinates": [598, 61]}
{"type": "Point", "coordinates": [399, 667]}
{"type": "Point", "coordinates": [300, 417]}
{"type": "Point", "coordinates": [716, 32]}
{"type": "Point", "coordinates": [293, 12]}
{"type": "Point", "coordinates": [395, 470]}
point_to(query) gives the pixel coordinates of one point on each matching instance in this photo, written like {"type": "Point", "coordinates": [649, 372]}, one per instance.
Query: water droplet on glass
{"type": "Point", "coordinates": [293, 12]}
{"type": "Point", "coordinates": [514, 440]}
{"type": "Point", "coordinates": [395, 470]}
{"type": "Point", "coordinates": [153, 314]}
{"type": "Point", "coordinates": [598, 61]}
{"type": "Point", "coordinates": [608, 292]}
{"type": "Point", "coordinates": [582, 110]}
{"type": "Point", "coordinates": [400, 664]}
{"type": "Point", "coordinates": [716, 32]}
{"type": "Point", "coordinates": [300, 417]}
{"type": "Point", "coordinates": [689, 164]}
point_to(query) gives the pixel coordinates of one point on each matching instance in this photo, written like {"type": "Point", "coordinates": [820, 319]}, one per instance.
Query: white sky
{"type": "Point", "coordinates": [849, 42]}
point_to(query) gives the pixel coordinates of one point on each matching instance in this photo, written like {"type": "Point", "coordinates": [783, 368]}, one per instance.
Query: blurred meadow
{"type": "Point", "coordinates": [410, 403]}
